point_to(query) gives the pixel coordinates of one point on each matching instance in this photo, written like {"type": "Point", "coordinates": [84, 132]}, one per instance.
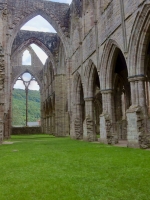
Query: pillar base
{"type": "Point", "coordinates": [102, 141]}
{"type": "Point", "coordinates": [136, 127]}
{"type": "Point", "coordinates": [133, 144]}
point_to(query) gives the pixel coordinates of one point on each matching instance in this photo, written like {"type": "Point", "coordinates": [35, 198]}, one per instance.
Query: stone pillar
{"type": "Point", "coordinates": [50, 124]}
{"type": "Point", "coordinates": [1, 122]}
{"type": "Point", "coordinates": [60, 105]}
{"type": "Point", "coordinates": [108, 132]}
{"type": "Point", "coordinates": [78, 123]}
{"type": "Point", "coordinates": [6, 126]}
{"type": "Point", "coordinates": [89, 133]}
{"type": "Point", "coordinates": [46, 124]}
{"type": "Point", "coordinates": [135, 124]}
{"type": "Point", "coordinates": [137, 113]}
{"type": "Point", "coordinates": [138, 95]}
{"type": "Point", "coordinates": [53, 124]}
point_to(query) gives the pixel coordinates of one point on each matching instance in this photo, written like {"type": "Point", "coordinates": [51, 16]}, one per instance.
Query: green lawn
{"type": "Point", "coordinates": [42, 167]}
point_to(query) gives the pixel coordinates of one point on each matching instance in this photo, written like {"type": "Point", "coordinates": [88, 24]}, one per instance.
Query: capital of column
{"type": "Point", "coordinates": [140, 77]}
{"type": "Point", "coordinates": [107, 91]}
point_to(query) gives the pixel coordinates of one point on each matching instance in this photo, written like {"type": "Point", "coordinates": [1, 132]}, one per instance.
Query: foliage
{"type": "Point", "coordinates": [44, 167]}
{"type": "Point", "coordinates": [19, 106]}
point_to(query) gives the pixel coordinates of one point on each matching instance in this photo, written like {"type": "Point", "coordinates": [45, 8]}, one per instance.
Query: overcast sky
{"type": "Point", "coordinates": [37, 23]}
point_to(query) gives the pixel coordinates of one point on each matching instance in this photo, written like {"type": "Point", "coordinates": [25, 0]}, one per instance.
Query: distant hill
{"type": "Point", "coordinates": [19, 106]}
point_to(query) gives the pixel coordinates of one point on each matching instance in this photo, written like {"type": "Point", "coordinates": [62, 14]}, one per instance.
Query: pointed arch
{"type": "Point", "coordinates": [89, 74]}
{"type": "Point", "coordinates": [29, 57]}
{"type": "Point", "coordinates": [30, 72]}
{"type": "Point", "coordinates": [50, 18]}
{"type": "Point", "coordinates": [39, 44]}
{"type": "Point", "coordinates": [109, 57]}
{"type": "Point", "coordinates": [139, 42]}
{"type": "Point", "coordinates": [77, 86]}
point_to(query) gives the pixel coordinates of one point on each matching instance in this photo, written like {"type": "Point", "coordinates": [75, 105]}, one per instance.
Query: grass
{"type": "Point", "coordinates": [42, 167]}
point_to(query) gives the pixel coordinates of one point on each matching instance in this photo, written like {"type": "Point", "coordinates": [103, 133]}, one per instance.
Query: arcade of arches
{"type": "Point", "coordinates": [95, 84]}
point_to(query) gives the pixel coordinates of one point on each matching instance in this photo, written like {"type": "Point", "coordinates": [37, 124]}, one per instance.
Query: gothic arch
{"type": "Point", "coordinates": [89, 74]}
{"type": "Point", "coordinates": [51, 18]}
{"type": "Point", "coordinates": [77, 84]}
{"type": "Point", "coordinates": [79, 106]}
{"type": "Point", "coordinates": [30, 55]}
{"type": "Point", "coordinates": [139, 42]}
{"type": "Point", "coordinates": [30, 72]}
{"type": "Point", "coordinates": [39, 44]}
{"type": "Point", "coordinates": [109, 56]}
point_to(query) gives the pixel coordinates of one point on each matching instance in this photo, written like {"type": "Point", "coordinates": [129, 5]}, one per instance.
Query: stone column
{"type": "Point", "coordinates": [1, 122]}
{"type": "Point", "coordinates": [89, 125]}
{"type": "Point", "coordinates": [138, 95]}
{"type": "Point", "coordinates": [53, 124]}
{"type": "Point", "coordinates": [44, 124]}
{"type": "Point", "coordinates": [137, 113]}
{"type": "Point", "coordinates": [47, 124]}
{"type": "Point", "coordinates": [78, 123]}
{"type": "Point", "coordinates": [108, 132]}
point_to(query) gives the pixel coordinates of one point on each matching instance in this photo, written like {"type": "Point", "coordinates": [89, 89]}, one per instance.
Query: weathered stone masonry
{"type": "Point", "coordinates": [96, 79]}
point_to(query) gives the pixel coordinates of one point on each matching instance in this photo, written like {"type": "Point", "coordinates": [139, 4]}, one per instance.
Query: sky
{"type": "Point", "coordinates": [37, 23]}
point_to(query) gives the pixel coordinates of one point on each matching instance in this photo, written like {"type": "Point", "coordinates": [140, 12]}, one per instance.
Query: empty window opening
{"type": "Point", "coordinates": [40, 53]}
{"type": "Point", "coordinates": [26, 58]}
{"type": "Point", "coordinates": [38, 23]}
{"type": "Point", "coordinates": [26, 101]}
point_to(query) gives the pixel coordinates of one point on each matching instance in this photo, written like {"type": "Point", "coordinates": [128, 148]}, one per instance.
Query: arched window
{"type": "Point", "coordinates": [26, 102]}
{"type": "Point", "coordinates": [26, 58]}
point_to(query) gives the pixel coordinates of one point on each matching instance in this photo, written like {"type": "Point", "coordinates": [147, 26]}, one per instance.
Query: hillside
{"type": "Point", "coordinates": [19, 106]}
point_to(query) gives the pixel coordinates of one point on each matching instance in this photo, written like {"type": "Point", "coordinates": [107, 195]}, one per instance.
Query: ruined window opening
{"type": "Point", "coordinates": [40, 53]}
{"type": "Point", "coordinates": [26, 82]}
{"type": "Point", "coordinates": [38, 23]}
{"type": "Point", "coordinates": [26, 58]}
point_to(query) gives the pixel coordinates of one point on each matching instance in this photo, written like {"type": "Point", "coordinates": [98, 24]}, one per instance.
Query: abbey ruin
{"type": "Point", "coordinates": [96, 80]}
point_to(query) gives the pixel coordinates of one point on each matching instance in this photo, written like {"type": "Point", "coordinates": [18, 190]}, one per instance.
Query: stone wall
{"type": "Point", "coordinates": [26, 130]}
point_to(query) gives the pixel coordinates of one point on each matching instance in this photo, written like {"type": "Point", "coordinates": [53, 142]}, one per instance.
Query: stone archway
{"type": "Point", "coordinates": [93, 101]}
{"type": "Point", "coordinates": [79, 106]}
{"type": "Point", "coordinates": [115, 91]}
{"type": "Point", "coordinates": [48, 10]}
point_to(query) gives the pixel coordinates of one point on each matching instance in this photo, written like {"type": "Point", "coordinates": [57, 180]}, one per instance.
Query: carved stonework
{"type": "Point", "coordinates": [2, 68]}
